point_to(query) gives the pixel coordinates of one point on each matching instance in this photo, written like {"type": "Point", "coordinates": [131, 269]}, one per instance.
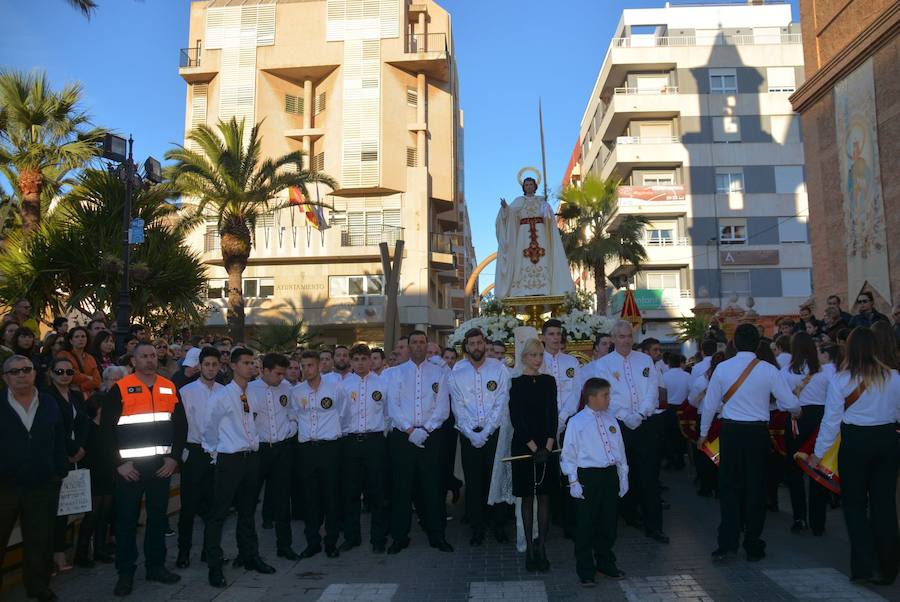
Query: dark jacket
{"type": "Point", "coordinates": [862, 319]}
{"type": "Point", "coordinates": [35, 457]}
{"type": "Point", "coordinates": [75, 417]}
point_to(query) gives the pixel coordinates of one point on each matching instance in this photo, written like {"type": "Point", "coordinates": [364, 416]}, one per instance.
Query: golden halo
{"type": "Point", "coordinates": [534, 170]}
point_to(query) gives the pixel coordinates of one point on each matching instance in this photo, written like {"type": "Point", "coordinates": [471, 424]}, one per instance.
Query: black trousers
{"type": "Point", "coordinates": [642, 448]}
{"type": "Point", "coordinates": [364, 464]}
{"type": "Point", "coordinates": [94, 526]}
{"type": "Point", "coordinates": [275, 465]}
{"type": "Point", "coordinates": [707, 472]}
{"type": "Point", "coordinates": [35, 509]}
{"type": "Point", "coordinates": [155, 491]}
{"type": "Point", "coordinates": [296, 489]}
{"type": "Point", "coordinates": [478, 464]}
{"type": "Point", "coordinates": [673, 447]}
{"type": "Point", "coordinates": [236, 481]}
{"type": "Point", "coordinates": [742, 484]}
{"type": "Point", "coordinates": [409, 462]}
{"type": "Point", "coordinates": [320, 465]}
{"type": "Point", "coordinates": [868, 461]}
{"type": "Point", "coordinates": [196, 493]}
{"type": "Point", "coordinates": [451, 438]}
{"type": "Point", "coordinates": [595, 521]}
{"type": "Point", "coordinates": [796, 479]}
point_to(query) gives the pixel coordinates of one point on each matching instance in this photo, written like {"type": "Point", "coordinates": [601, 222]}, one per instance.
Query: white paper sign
{"type": "Point", "coordinates": [75, 493]}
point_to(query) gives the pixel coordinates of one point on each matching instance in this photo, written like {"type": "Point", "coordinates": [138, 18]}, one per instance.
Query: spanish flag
{"type": "Point", "coordinates": [315, 216]}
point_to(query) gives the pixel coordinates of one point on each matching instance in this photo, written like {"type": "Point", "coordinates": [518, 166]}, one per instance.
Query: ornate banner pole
{"type": "Point", "coordinates": [543, 153]}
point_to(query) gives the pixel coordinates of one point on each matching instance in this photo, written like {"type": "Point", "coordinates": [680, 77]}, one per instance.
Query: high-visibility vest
{"type": "Point", "coordinates": [145, 429]}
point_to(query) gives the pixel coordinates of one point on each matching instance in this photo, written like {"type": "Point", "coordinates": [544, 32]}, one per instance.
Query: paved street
{"type": "Point", "coordinates": [796, 568]}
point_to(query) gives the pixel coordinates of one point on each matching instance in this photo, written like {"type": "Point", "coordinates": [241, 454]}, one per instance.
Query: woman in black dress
{"type": "Point", "coordinates": [533, 414]}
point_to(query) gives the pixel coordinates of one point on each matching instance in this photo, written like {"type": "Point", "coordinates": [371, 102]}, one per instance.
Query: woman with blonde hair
{"type": "Point", "coordinates": [533, 414]}
{"type": "Point", "coordinates": [863, 406]}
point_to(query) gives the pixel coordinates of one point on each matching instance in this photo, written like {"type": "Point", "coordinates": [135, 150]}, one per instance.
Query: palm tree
{"type": "Point", "coordinates": [588, 239]}
{"type": "Point", "coordinates": [231, 182]}
{"type": "Point", "coordinates": [44, 135]}
{"type": "Point", "coordinates": [691, 329]}
{"type": "Point", "coordinates": [85, 6]}
{"type": "Point", "coordinates": [73, 261]}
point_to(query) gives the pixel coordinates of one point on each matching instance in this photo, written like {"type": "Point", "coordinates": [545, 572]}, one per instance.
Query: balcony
{"type": "Point", "coordinates": [650, 201]}
{"type": "Point", "coordinates": [628, 104]}
{"type": "Point", "coordinates": [441, 247]}
{"type": "Point", "coordinates": [628, 152]}
{"type": "Point", "coordinates": [426, 53]}
{"type": "Point", "coordinates": [370, 237]}
{"type": "Point", "coordinates": [196, 65]}
{"type": "Point", "coordinates": [650, 41]}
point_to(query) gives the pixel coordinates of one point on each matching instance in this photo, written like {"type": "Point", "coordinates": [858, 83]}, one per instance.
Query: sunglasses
{"type": "Point", "coordinates": [61, 371]}
{"type": "Point", "coordinates": [18, 371]}
{"type": "Point", "coordinates": [245, 404]}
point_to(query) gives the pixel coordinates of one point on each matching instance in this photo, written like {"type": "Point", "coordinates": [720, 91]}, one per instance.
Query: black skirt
{"type": "Point", "coordinates": [529, 478]}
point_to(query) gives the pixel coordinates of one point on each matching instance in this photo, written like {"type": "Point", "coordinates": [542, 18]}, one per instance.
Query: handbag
{"type": "Point", "coordinates": [75, 493]}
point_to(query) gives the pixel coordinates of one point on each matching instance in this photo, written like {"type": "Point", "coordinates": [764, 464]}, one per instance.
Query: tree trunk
{"type": "Point", "coordinates": [236, 315]}
{"type": "Point", "coordinates": [600, 287]}
{"type": "Point", "coordinates": [31, 182]}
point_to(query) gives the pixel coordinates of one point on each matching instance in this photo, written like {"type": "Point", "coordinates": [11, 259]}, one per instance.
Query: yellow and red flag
{"type": "Point", "coordinates": [314, 214]}
{"type": "Point", "coordinates": [630, 311]}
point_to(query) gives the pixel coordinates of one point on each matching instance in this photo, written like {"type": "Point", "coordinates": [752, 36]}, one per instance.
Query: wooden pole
{"type": "Point", "coordinates": [391, 292]}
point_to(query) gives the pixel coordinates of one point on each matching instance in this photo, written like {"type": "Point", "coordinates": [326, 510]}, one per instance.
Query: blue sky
{"type": "Point", "coordinates": [509, 53]}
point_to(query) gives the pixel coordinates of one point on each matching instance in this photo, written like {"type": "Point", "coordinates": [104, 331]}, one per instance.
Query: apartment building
{"type": "Point", "coordinates": [370, 92]}
{"type": "Point", "coordinates": [690, 110]}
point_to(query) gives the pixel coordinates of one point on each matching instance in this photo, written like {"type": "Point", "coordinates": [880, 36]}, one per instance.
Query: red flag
{"type": "Point", "coordinates": [314, 214]}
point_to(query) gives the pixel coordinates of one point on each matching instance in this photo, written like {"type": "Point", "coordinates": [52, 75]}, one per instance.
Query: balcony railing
{"type": "Point", "coordinates": [644, 91]}
{"type": "Point", "coordinates": [371, 236]}
{"type": "Point", "coordinates": [189, 57]}
{"type": "Point", "coordinates": [426, 42]}
{"type": "Point", "coordinates": [646, 139]}
{"type": "Point", "coordinates": [681, 241]}
{"type": "Point", "coordinates": [718, 40]}
{"type": "Point", "coordinates": [441, 243]}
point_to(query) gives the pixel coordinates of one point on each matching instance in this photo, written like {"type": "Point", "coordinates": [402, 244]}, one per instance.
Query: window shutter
{"type": "Point", "coordinates": [356, 228]}
{"type": "Point", "coordinates": [319, 103]}
{"type": "Point", "coordinates": [411, 158]}
{"type": "Point", "coordinates": [412, 97]}
{"type": "Point", "coordinates": [198, 109]}
{"type": "Point", "coordinates": [293, 104]}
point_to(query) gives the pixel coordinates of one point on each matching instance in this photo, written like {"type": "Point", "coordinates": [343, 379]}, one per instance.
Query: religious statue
{"type": "Point", "coordinates": [530, 256]}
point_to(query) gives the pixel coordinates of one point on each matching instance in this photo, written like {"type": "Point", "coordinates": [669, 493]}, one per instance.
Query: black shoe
{"type": "Point", "coordinates": [183, 561]}
{"type": "Point", "coordinates": [48, 595]}
{"type": "Point", "coordinates": [442, 545]}
{"type": "Point", "coordinates": [589, 582]}
{"type": "Point", "coordinates": [124, 585]}
{"type": "Point", "coordinates": [257, 564]}
{"type": "Point", "coordinates": [268, 524]}
{"type": "Point", "coordinates": [332, 551]}
{"type": "Point", "coordinates": [237, 562]}
{"type": "Point", "coordinates": [162, 575]}
{"type": "Point", "coordinates": [217, 578]}
{"type": "Point", "coordinates": [349, 545]}
{"type": "Point", "coordinates": [378, 548]}
{"type": "Point", "coordinates": [658, 536]}
{"type": "Point", "coordinates": [798, 526]}
{"type": "Point", "coordinates": [755, 556]}
{"type": "Point", "coordinates": [396, 547]}
{"type": "Point", "coordinates": [83, 562]}
{"type": "Point", "coordinates": [721, 555]}
{"type": "Point", "coordinates": [614, 573]}
{"type": "Point", "coordinates": [543, 563]}
{"type": "Point", "coordinates": [310, 551]}
{"type": "Point", "coordinates": [288, 553]}
{"type": "Point", "coordinates": [500, 535]}
{"type": "Point", "coordinates": [477, 540]}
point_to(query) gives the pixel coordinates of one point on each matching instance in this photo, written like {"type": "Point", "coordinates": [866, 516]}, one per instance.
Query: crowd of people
{"type": "Point", "coordinates": [326, 435]}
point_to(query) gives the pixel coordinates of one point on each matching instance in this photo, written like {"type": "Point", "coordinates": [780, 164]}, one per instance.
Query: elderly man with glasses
{"type": "Point", "coordinates": [33, 462]}
{"type": "Point", "coordinates": [867, 315]}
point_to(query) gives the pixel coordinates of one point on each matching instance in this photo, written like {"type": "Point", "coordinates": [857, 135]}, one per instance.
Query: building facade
{"type": "Point", "coordinates": [850, 105]}
{"type": "Point", "coordinates": [690, 110]}
{"type": "Point", "coordinates": [369, 91]}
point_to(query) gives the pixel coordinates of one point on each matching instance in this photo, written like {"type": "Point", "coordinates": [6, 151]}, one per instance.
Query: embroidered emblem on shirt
{"type": "Point", "coordinates": [570, 372]}
{"type": "Point", "coordinates": [135, 389]}
{"type": "Point", "coordinates": [376, 395]}
{"type": "Point", "coordinates": [283, 400]}
{"type": "Point", "coordinates": [303, 402]}
{"type": "Point", "coordinates": [434, 387]}
{"type": "Point", "coordinates": [646, 372]}
{"type": "Point", "coordinates": [353, 395]}
{"type": "Point", "coordinates": [326, 403]}
{"type": "Point", "coordinates": [616, 375]}
{"type": "Point", "coordinates": [492, 385]}
{"type": "Point", "coordinates": [612, 430]}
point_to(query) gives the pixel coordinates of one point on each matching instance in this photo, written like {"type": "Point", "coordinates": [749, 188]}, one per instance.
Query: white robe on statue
{"type": "Point", "coordinates": [530, 256]}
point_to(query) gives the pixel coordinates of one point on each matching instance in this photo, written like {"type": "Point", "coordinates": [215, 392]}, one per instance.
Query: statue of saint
{"type": "Point", "coordinates": [530, 256]}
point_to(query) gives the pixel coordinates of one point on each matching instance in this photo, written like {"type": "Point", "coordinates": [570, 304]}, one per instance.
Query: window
{"type": "Point", "coordinates": [735, 282]}
{"type": "Point", "coordinates": [411, 156]}
{"type": "Point", "coordinates": [412, 97]}
{"type": "Point", "coordinates": [796, 283]}
{"type": "Point", "coordinates": [365, 289]}
{"type": "Point", "coordinates": [293, 104]}
{"type": "Point", "coordinates": [365, 221]}
{"type": "Point", "coordinates": [730, 181]}
{"type": "Point", "coordinates": [733, 232]}
{"type": "Point", "coordinates": [661, 280]}
{"type": "Point", "coordinates": [318, 162]}
{"type": "Point", "coordinates": [319, 104]}
{"type": "Point", "coordinates": [655, 131]}
{"type": "Point", "coordinates": [780, 79]}
{"type": "Point", "coordinates": [722, 81]}
{"type": "Point", "coordinates": [211, 239]}
{"type": "Point", "coordinates": [660, 234]}
{"type": "Point", "coordinates": [792, 229]}
{"type": "Point", "coordinates": [789, 179]}
{"type": "Point", "coordinates": [254, 288]}
{"type": "Point", "coordinates": [726, 128]}
{"type": "Point", "coordinates": [658, 178]}
{"type": "Point", "coordinates": [652, 84]}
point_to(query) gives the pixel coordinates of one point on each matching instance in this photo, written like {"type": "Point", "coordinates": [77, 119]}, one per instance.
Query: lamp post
{"type": "Point", "coordinates": [117, 149]}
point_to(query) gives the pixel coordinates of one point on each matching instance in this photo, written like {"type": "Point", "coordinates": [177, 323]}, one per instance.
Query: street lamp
{"type": "Point", "coordinates": [115, 149]}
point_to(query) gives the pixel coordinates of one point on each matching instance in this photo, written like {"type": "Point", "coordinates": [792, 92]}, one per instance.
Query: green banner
{"type": "Point", "coordinates": [647, 298]}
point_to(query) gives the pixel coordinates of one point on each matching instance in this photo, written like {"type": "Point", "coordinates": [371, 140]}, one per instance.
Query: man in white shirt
{"type": "Point", "coordinates": [563, 368]}
{"type": "Point", "coordinates": [744, 385]}
{"type": "Point", "coordinates": [479, 390]}
{"type": "Point", "coordinates": [634, 383]}
{"type": "Point", "coordinates": [318, 403]}
{"type": "Point", "coordinates": [231, 439]}
{"type": "Point", "coordinates": [418, 405]}
{"type": "Point", "coordinates": [378, 360]}
{"type": "Point", "coordinates": [292, 376]}
{"type": "Point", "coordinates": [676, 382]}
{"type": "Point", "coordinates": [342, 361]}
{"type": "Point", "coordinates": [364, 457]}
{"type": "Point", "coordinates": [602, 346]}
{"type": "Point", "coordinates": [197, 469]}
{"type": "Point", "coordinates": [269, 398]}
{"type": "Point", "coordinates": [708, 348]}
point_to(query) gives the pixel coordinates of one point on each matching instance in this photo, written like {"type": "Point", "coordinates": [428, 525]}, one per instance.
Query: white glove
{"type": "Point", "coordinates": [213, 457]}
{"type": "Point", "coordinates": [623, 482]}
{"type": "Point", "coordinates": [576, 490]}
{"type": "Point", "coordinates": [418, 437]}
{"type": "Point", "coordinates": [633, 421]}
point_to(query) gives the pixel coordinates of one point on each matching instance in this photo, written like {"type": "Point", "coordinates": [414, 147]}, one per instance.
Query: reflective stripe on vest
{"type": "Point", "coordinates": [144, 418]}
{"type": "Point", "coordinates": [144, 429]}
{"type": "Point", "coordinates": [145, 452]}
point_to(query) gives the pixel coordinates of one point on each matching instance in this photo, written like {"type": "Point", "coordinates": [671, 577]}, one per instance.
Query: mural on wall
{"type": "Point", "coordinates": [857, 138]}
